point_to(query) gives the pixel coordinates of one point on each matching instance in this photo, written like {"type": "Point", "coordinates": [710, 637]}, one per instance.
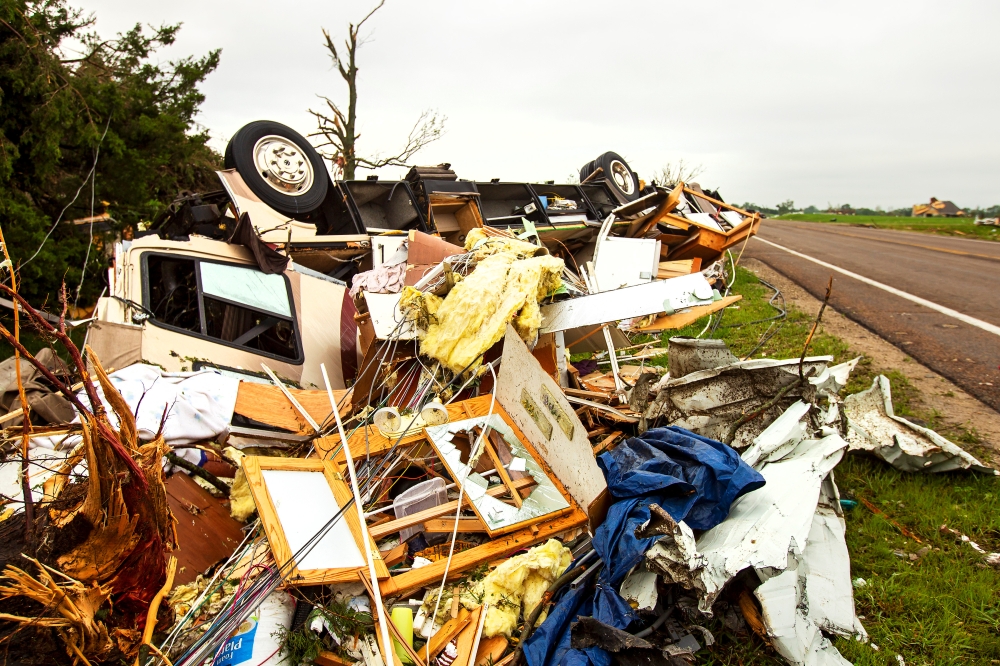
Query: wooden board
{"type": "Point", "coordinates": [669, 269]}
{"type": "Point", "coordinates": [447, 525]}
{"type": "Point", "coordinates": [254, 468]}
{"type": "Point", "coordinates": [266, 403]}
{"type": "Point", "coordinates": [505, 546]}
{"type": "Point", "coordinates": [448, 631]}
{"type": "Point", "coordinates": [205, 531]}
{"type": "Point", "coordinates": [682, 319]}
{"type": "Point", "coordinates": [467, 638]}
{"type": "Point", "coordinates": [490, 650]}
{"type": "Point", "coordinates": [370, 440]}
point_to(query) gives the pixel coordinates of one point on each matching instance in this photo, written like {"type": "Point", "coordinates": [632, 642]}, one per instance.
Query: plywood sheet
{"type": "Point", "coordinates": [266, 403]}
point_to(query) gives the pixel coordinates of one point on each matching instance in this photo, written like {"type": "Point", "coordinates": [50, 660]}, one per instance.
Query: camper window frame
{"type": "Point", "coordinates": [299, 358]}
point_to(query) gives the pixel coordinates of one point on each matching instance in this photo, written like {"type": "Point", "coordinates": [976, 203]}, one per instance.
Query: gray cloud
{"type": "Point", "coordinates": [866, 103]}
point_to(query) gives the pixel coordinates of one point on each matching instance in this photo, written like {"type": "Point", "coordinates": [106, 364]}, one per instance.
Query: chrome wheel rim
{"type": "Point", "coordinates": [283, 165]}
{"type": "Point", "coordinates": [622, 177]}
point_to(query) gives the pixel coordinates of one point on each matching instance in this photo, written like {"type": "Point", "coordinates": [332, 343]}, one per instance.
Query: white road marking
{"type": "Point", "coordinates": [972, 321]}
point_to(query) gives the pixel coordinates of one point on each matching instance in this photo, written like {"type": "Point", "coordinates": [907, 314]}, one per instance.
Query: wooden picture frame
{"type": "Point", "coordinates": [255, 468]}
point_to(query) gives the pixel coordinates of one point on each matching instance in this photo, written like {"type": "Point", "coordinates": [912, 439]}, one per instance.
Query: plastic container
{"type": "Point", "coordinates": [256, 641]}
{"type": "Point", "coordinates": [402, 617]}
{"type": "Point", "coordinates": [424, 495]}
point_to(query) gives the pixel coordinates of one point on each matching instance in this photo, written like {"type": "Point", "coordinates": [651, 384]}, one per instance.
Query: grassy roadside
{"type": "Point", "coordinates": [941, 608]}
{"type": "Point", "coordinates": [942, 226]}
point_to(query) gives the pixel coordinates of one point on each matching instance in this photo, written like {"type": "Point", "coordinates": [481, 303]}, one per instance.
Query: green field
{"type": "Point", "coordinates": [943, 226]}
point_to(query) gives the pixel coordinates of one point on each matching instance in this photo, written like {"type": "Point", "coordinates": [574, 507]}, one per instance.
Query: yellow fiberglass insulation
{"type": "Point", "coordinates": [504, 288]}
{"type": "Point", "coordinates": [519, 583]}
{"type": "Point", "coordinates": [482, 246]}
{"type": "Point", "coordinates": [241, 504]}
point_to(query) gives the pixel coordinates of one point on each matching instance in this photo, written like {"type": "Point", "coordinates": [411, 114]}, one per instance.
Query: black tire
{"type": "Point", "coordinates": [586, 170]}
{"type": "Point", "coordinates": [619, 176]}
{"type": "Point", "coordinates": [300, 197]}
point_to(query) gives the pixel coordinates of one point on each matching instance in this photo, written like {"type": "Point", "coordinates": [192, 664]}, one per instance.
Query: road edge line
{"type": "Point", "coordinates": [972, 321]}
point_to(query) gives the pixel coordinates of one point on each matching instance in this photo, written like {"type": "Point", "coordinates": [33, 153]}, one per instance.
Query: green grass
{"type": "Point", "coordinates": [742, 335]}
{"type": "Point", "coordinates": [941, 609]}
{"type": "Point", "coordinates": [943, 226]}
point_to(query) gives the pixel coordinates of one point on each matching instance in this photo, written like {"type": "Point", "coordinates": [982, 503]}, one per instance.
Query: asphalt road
{"type": "Point", "coordinates": [959, 274]}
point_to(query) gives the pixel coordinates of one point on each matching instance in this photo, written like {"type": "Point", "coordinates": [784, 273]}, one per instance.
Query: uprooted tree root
{"type": "Point", "coordinates": [101, 545]}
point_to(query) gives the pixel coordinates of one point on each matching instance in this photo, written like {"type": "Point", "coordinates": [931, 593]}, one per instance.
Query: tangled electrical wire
{"type": "Point", "coordinates": [371, 475]}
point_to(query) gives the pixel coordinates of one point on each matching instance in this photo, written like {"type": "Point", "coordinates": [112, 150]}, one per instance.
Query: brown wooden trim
{"type": "Point", "coordinates": [504, 546]}
{"type": "Point", "coordinates": [477, 408]}
{"type": "Point", "coordinates": [393, 526]}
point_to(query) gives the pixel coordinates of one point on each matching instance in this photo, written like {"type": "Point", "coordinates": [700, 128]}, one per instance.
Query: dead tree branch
{"type": "Point", "coordinates": [337, 129]}
{"type": "Point", "coordinates": [98, 411]}
{"type": "Point", "coordinates": [812, 331]}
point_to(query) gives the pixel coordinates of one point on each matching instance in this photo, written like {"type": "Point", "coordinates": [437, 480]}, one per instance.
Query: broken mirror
{"type": "Point", "coordinates": [498, 457]}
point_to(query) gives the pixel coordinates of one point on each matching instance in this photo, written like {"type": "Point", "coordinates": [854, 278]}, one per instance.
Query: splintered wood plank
{"type": "Point", "coordinates": [395, 555]}
{"type": "Point", "coordinates": [370, 440]}
{"type": "Point", "coordinates": [490, 650]}
{"type": "Point", "coordinates": [448, 631]}
{"type": "Point", "coordinates": [331, 659]}
{"type": "Point", "coordinates": [499, 547]}
{"type": "Point", "coordinates": [682, 319]}
{"type": "Point", "coordinates": [606, 442]}
{"type": "Point", "coordinates": [467, 638]}
{"type": "Point", "coordinates": [265, 403]}
{"type": "Point", "coordinates": [447, 525]}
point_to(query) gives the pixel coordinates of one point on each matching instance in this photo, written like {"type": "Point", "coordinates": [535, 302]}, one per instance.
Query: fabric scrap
{"type": "Point", "coordinates": [692, 478]}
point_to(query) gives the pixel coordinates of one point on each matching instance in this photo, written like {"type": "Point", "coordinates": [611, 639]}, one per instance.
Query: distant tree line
{"type": "Point", "coordinates": [788, 206]}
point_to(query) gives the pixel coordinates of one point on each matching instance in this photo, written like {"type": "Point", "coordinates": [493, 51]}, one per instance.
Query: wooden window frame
{"type": "Point", "coordinates": [253, 468]}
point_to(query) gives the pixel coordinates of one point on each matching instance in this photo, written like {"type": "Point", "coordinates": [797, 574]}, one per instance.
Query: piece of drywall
{"type": "Point", "coordinates": [568, 454]}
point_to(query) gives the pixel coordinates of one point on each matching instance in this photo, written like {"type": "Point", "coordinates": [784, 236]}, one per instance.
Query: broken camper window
{"type": "Point", "coordinates": [236, 305]}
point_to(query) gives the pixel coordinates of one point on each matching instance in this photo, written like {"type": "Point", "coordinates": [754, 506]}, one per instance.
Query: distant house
{"type": "Point", "coordinates": [937, 209]}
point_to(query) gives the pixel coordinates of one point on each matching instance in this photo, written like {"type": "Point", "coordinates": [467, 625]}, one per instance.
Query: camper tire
{"type": "Point", "coordinates": [616, 172]}
{"type": "Point", "coordinates": [280, 166]}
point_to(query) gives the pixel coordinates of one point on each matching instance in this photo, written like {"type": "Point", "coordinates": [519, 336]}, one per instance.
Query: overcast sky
{"type": "Point", "coordinates": [866, 103]}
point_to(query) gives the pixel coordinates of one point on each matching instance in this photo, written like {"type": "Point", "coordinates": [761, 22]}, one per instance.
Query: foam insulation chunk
{"type": "Point", "coordinates": [518, 584]}
{"type": "Point", "coordinates": [506, 286]}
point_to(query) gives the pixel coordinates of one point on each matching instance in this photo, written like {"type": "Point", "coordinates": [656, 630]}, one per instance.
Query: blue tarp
{"type": "Point", "coordinates": [692, 478]}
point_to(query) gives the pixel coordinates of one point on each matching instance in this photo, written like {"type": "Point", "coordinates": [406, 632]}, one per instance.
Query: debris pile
{"type": "Point", "coordinates": [353, 434]}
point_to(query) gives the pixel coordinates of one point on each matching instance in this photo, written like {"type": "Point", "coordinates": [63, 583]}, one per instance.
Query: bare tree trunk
{"type": "Point", "coordinates": [339, 129]}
